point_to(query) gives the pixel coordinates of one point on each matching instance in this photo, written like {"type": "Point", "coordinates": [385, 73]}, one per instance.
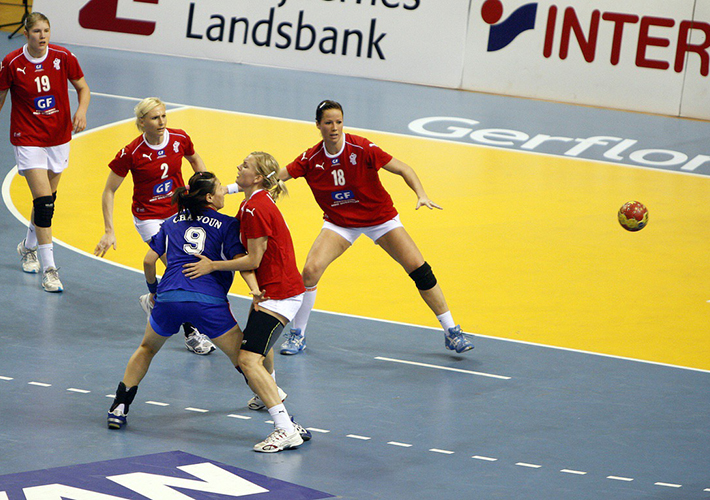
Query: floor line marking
{"type": "Point", "coordinates": [572, 471]}
{"type": "Point", "coordinates": [198, 410]}
{"type": "Point", "coordinates": [443, 452]}
{"type": "Point", "coordinates": [355, 436]}
{"type": "Point", "coordinates": [81, 391]}
{"type": "Point", "coordinates": [315, 429]}
{"type": "Point", "coordinates": [403, 445]}
{"type": "Point", "coordinates": [6, 378]}
{"type": "Point", "coordinates": [486, 459]}
{"type": "Point", "coordinates": [531, 466]}
{"type": "Point", "coordinates": [157, 403]}
{"type": "Point", "coordinates": [620, 478]}
{"type": "Point", "coordinates": [39, 384]}
{"type": "Point", "coordinates": [669, 485]}
{"type": "Point", "coordinates": [242, 417]}
{"type": "Point", "coordinates": [426, 365]}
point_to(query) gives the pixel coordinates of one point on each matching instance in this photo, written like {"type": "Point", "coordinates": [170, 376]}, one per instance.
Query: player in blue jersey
{"type": "Point", "coordinates": [197, 229]}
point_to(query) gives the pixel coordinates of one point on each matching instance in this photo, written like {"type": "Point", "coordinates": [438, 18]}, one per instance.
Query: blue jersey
{"type": "Point", "coordinates": [213, 235]}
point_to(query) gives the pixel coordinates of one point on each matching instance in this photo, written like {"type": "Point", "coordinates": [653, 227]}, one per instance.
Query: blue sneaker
{"type": "Point", "coordinates": [305, 433]}
{"type": "Point", "coordinates": [116, 418]}
{"type": "Point", "coordinates": [455, 340]}
{"type": "Point", "coordinates": [295, 342]}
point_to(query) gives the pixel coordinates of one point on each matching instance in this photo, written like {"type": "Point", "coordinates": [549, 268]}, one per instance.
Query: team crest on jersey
{"type": "Point", "coordinates": [353, 159]}
{"type": "Point", "coordinates": [335, 161]}
{"type": "Point", "coordinates": [38, 67]}
{"type": "Point", "coordinates": [176, 146]}
{"type": "Point", "coordinates": [57, 62]}
{"type": "Point", "coordinates": [161, 153]}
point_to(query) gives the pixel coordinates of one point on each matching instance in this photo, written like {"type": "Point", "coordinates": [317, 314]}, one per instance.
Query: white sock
{"type": "Point", "coordinates": [282, 420]}
{"type": "Point", "coordinates": [304, 312]}
{"type": "Point", "coordinates": [46, 255]}
{"type": "Point", "coordinates": [31, 238]}
{"type": "Point", "coordinates": [446, 320]}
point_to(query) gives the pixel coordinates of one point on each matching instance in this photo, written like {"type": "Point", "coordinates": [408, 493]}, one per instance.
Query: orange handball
{"type": "Point", "coordinates": [633, 216]}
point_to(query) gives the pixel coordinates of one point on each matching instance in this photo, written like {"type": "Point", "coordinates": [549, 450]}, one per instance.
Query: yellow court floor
{"type": "Point", "coordinates": [527, 246]}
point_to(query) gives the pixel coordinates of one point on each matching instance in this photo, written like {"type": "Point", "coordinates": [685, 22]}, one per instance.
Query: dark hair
{"type": "Point", "coordinates": [193, 197]}
{"type": "Point", "coordinates": [325, 106]}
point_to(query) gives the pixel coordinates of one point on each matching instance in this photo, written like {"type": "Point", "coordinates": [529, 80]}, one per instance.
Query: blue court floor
{"type": "Point", "coordinates": [394, 415]}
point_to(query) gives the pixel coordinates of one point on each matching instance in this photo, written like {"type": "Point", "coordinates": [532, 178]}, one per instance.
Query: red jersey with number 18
{"type": "Point", "coordinates": [277, 274]}
{"type": "Point", "coordinates": [347, 185]}
{"type": "Point", "coordinates": [156, 171]}
{"type": "Point", "coordinates": [41, 112]}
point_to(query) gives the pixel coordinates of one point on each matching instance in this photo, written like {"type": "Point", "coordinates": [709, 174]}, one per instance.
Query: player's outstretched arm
{"type": "Point", "coordinates": [108, 239]}
{"type": "Point", "coordinates": [410, 177]}
{"type": "Point", "coordinates": [248, 262]}
{"type": "Point", "coordinates": [197, 163]}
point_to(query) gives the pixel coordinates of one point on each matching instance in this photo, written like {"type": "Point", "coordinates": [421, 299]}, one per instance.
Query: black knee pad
{"type": "Point", "coordinates": [44, 211]}
{"type": "Point", "coordinates": [261, 333]}
{"type": "Point", "coordinates": [423, 277]}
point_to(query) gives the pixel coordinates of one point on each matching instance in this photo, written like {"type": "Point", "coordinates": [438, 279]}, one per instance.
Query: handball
{"type": "Point", "coordinates": [633, 216]}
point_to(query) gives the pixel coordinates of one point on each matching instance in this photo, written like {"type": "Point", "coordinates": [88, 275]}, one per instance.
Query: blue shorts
{"type": "Point", "coordinates": [213, 320]}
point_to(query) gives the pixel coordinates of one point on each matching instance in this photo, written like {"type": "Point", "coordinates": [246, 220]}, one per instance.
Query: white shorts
{"type": "Point", "coordinates": [285, 307]}
{"type": "Point", "coordinates": [147, 228]}
{"type": "Point", "coordinates": [54, 158]}
{"type": "Point", "coordinates": [372, 232]}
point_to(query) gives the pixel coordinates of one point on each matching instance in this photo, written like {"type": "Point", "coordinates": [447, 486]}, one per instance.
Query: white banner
{"type": "Point", "coordinates": [417, 41]}
{"type": "Point", "coordinates": [624, 54]}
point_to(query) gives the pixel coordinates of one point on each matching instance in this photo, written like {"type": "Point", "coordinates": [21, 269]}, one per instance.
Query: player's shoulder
{"type": "Point", "coordinates": [58, 50]}
{"type": "Point", "coordinates": [134, 145]}
{"type": "Point", "coordinates": [177, 132]}
{"type": "Point", "coordinates": [12, 57]}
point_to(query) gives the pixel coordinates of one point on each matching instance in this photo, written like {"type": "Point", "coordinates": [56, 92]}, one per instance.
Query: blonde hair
{"type": "Point", "coordinates": [268, 168]}
{"type": "Point", "coordinates": [34, 18]}
{"type": "Point", "coordinates": [143, 107]}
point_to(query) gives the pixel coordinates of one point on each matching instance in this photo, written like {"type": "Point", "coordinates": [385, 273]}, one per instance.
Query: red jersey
{"type": "Point", "coordinates": [41, 113]}
{"type": "Point", "coordinates": [347, 185]}
{"type": "Point", "coordinates": [156, 171]}
{"type": "Point", "coordinates": [277, 274]}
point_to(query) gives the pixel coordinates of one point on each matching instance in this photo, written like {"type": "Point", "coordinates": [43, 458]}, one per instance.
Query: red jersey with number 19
{"type": "Point", "coordinates": [347, 185]}
{"type": "Point", "coordinates": [156, 171]}
{"type": "Point", "coordinates": [41, 113]}
{"type": "Point", "coordinates": [277, 274]}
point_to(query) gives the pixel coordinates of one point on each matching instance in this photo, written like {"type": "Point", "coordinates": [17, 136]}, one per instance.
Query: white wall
{"type": "Point", "coordinates": [635, 62]}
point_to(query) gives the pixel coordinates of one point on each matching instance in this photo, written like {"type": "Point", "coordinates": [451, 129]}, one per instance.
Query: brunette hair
{"type": "Point", "coordinates": [193, 197]}
{"type": "Point", "coordinates": [325, 106]}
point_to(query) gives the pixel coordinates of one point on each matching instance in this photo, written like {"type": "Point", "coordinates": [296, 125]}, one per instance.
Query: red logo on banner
{"type": "Point", "coordinates": [102, 15]}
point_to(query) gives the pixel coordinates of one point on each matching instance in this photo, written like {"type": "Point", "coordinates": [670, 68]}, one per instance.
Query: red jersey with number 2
{"type": "Point", "coordinates": [41, 112]}
{"type": "Point", "coordinates": [277, 274]}
{"type": "Point", "coordinates": [347, 185]}
{"type": "Point", "coordinates": [156, 171]}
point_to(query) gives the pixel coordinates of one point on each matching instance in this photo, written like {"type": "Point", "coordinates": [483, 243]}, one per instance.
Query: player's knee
{"type": "Point", "coordinates": [44, 211]}
{"type": "Point", "coordinates": [423, 277]}
{"type": "Point", "coordinates": [311, 274]}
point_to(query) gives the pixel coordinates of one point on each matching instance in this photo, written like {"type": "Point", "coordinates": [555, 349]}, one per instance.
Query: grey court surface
{"type": "Point", "coordinates": [394, 415]}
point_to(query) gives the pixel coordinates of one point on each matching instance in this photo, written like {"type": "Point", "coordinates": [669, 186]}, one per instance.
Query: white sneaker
{"type": "Point", "coordinates": [50, 280]}
{"type": "Point", "coordinates": [146, 303]}
{"type": "Point", "coordinates": [29, 260]}
{"type": "Point", "coordinates": [256, 403]}
{"type": "Point", "coordinates": [199, 343]}
{"type": "Point", "coordinates": [279, 440]}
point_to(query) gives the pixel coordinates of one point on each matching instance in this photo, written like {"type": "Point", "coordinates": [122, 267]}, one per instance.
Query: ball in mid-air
{"type": "Point", "coordinates": [633, 216]}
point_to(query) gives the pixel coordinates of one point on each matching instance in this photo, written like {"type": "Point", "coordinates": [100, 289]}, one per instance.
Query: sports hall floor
{"type": "Point", "coordinates": [590, 378]}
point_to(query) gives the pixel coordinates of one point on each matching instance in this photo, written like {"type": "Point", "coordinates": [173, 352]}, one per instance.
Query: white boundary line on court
{"type": "Point", "coordinates": [458, 370]}
{"type": "Point", "coordinates": [8, 203]}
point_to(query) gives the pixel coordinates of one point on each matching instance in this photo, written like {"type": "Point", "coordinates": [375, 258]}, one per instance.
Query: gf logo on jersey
{"type": "Point", "coordinates": [102, 15]}
{"type": "Point", "coordinates": [44, 103]}
{"type": "Point", "coordinates": [163, 188]}
{"type": "Point", "coordinates": [501, 34]}
{"type": "Point", "coordinates": [343, 195]}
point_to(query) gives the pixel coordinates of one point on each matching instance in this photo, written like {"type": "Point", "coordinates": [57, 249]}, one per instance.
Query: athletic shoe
{"type": "Point", "coordinates": [146, 304]}
{"type": "Point", "coordinates": [295, 342]}
{"type": "Point", "coordinates": [455, 340]}
{"type": "Point", "coordinates": [256, 403]}
{"type": "Point", "coordinates": [29, 261]}
{"type": "Point", "coordinates": [116, 419]}
{"type": "Point", "coordinates": [50, 280]}
{"type": "Point", "coordinates": [199, 343]}
{"type": "Point", "coordinates": [305, 433]}
{"type": "Point", "coordinates": [279, 440]}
